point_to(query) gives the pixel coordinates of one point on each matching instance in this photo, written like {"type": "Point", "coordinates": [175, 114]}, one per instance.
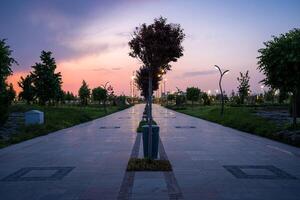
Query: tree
{"type": "Point", "coordinates": [46, 82]}
{"type": "Point", "coordinates": [279, 61]}
{"type": "Point", "coordinates": [69, 96]}
{"type": "Point", "coordinates": [84, 93]}
{"type": "Point", "coordinates": [156, 45]}
{"type": "Point", "coordinates": [206, 99]}
{"type": "Point", "coordinates": [270, 95]}
{"type": "Point", "coordinates": [179, 97]}
{"type": "Point", "coordinates": [170, 97]}
{"type": "Point", "coordinates": [142, 81]}
{"type": "Point", "coordinates": [28, 91]}
{"type": "Point", "coordinates": [244, 87]}
{"type": "Point", "coordinates": [99, 94]}
{"type": "Point", "coordinates": [11, 93]}
{"type": "Point", "coordinates": [192, 94]}
{"type": "Point", "coordinates": [6, 61]}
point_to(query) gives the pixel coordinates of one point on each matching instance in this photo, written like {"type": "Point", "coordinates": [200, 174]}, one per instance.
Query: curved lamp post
{"type": "Point", "coordinates": [220, 85]}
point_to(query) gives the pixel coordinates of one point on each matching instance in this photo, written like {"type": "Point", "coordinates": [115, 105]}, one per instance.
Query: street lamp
{"type": "Point", "coordinates": [220, 85]}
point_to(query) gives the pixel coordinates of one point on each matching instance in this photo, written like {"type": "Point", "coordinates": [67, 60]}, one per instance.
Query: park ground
{"type": "Point", "coordinates": [56, 118]}
{"type": "Point", "coordinates": [210, 161]}
{"type": "Point", "coordinates": [271, 121]}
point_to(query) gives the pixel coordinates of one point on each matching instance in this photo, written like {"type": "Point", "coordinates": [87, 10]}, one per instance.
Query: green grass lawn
{"type": "Point", "coordinates": [56, 118]}
{"type": "Point", "coordinates": [241, 118]}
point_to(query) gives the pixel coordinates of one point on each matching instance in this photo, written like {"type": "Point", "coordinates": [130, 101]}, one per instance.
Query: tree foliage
{"type": "Point", "coordinates": [193, 94]}
{"type": "Point", "coordinates": [46, 82]}
{"type": "Point", "coordinates": [84, 93]}
{"type": "Point", "coordinates": [206, 99]}
{"type": "Point", "coordinates": [28, 91]}
{"type": "Point", "coordinates": [142, 81]}
{"type": "Point", "coordinates": [6, 61]}
{"type": "Point", "coordinates": [157, 44]}
{"type": "Point", "coordinates": [244, 87]}
{"type": "Point", "coordinates": [69, 96]}
{"type": "Point", "coordinates": [99, 94]}
{"type": "Point", "coordinates": [11, 93]}
{"type": "Point", "coordinates": [279, 61]}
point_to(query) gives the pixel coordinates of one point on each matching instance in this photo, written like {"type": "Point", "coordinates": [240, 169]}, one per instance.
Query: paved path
{"type": "Point", "coordinates": [88, 162]}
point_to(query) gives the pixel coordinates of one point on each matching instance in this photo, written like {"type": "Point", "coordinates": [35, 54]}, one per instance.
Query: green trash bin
{"type": "Point", "coordinates": [155, 140]}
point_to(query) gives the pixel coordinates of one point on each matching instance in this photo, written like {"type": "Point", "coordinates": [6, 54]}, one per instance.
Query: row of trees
{"type": "Point", "coordinates": [194, 94]}
{"type": "Point", "coordinates": [43, 85]}
{"type": "Point", "coordinates": [102, 94]}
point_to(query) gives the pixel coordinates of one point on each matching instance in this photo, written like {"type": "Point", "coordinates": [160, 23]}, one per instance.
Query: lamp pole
{"type": "Point", "coordinates": [165, 80]}
{"type": "Point", "coordinates": [220, 85]}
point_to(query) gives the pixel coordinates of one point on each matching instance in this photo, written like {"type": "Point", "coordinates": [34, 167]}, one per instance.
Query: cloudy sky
{"type": "Point", "coordinates": [89, 38]}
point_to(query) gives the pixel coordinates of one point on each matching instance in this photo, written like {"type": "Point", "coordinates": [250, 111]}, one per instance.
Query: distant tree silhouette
{"type": "Point", "coordinates": [6, 61]}
{"type": "Point", "coordinates": [100, 94]}
{"type": "Point", "coordinates": [11, 93]}
{"type": "Point", "coordinates": [28, 91]}
{"type": "Point", "coordinates": [84, 93]}
{"type": "Point", "coordinates": [206, 99]}
{"type": "Point", "coordinates": [193, 94]}
{"type": "Point", "coordinates": [244, 87]}
{"type": "Point", "coordinates": [69, 96]}
{"type": "Point", "coordinates": [279, 61]}
{"type": "Point", "coordinates": [46, 82]}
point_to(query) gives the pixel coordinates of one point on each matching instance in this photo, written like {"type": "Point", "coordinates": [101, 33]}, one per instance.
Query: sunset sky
{"type": "Point", "coordinates": [89, 39]}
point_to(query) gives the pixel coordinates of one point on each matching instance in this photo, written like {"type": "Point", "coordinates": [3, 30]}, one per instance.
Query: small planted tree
{"type": "Point", "coordinates": [279, 61]}
{"type": "Point", "coordinates": [100, 94]}
{"type": "Point", "coordinates": [84, 93]}
{"type": "Point", "coordinates": [193, 94]}
{"type": "Point", "coordinates": [244, 87]}
{"type": "Point", "coordinates": [156, 45]}
{"type": "Point", "coordinates": [142, 81]}
{"type": "Point", "coordinates": [28, 92]}
{"type": "Point", "coordinates": [47, 83]}
{"type": "Point", "coordinates": [6, 61]}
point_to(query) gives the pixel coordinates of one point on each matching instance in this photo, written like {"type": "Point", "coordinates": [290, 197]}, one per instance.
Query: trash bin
{"type": "Point", "coordinates": [34, 117]}
{"type": "Point", "coordinates": [155, 140]}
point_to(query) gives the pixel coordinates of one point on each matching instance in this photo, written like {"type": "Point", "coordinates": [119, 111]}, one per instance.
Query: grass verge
{"type": "Point", "coordinates": [241, 118]}
{"type": "Point", "coordinates": [56, 118]}
{"type": "Point", "coordinates": [139, 164]}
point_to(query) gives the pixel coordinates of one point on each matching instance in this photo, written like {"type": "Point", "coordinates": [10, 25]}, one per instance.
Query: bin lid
{"type": "Point", "coordinates": [34, 112]}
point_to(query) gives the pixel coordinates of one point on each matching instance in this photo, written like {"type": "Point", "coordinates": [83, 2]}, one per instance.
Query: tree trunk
{"type": "Point", "coordinates": [150, 115]}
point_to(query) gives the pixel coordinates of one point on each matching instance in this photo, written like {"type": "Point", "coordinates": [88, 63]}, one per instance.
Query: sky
{"type": "Point", "coordinates": [89, 38]}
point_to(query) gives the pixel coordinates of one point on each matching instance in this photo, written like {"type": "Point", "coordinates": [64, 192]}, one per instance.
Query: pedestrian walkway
{"type": "Point", "coordinates": [88, 162]}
